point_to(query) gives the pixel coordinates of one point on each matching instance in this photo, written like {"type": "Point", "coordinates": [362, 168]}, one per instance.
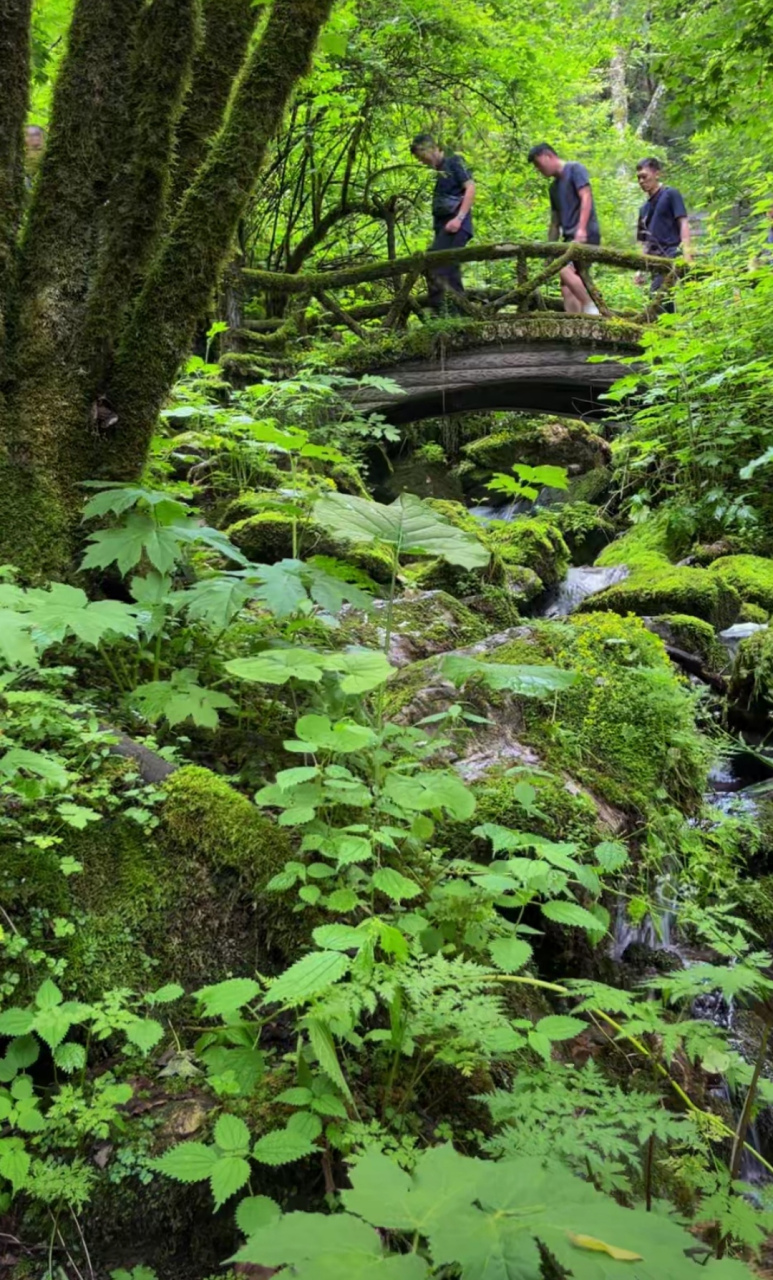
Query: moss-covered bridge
{"type": "Point", "coordinates": [510, 345]}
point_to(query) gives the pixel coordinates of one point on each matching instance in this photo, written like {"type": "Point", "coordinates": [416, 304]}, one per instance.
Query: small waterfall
{"type": "Point", "coordinates": [579, 583]}
{"type": "Point", "coordinates": [655, 931]}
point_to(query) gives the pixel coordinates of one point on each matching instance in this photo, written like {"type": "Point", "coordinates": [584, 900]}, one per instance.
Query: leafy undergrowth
{"type": "Point", "coordinates": [317, 992]}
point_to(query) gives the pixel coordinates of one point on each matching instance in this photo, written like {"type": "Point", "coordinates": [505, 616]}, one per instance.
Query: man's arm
{"type": "Point", "coordinates": [586, 205]}
{"type": "Point", "coordinates": [464, 208]}
{"type": "Point", "coordinates": [686, 234]}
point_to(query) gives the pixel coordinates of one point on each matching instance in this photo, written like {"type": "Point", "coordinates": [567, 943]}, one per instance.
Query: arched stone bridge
{"type": "Point", "coordinates": [512, 346]}
{"type": "Point", "coordinates": [538, 365]}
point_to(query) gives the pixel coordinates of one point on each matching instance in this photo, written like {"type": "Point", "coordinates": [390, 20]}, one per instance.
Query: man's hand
{"type": "Point", "coordinates": [581, 235]}
{"type": "Point", "coordinates": [453, 226]}
{"type": "Point", "coordinates": [640, 277]}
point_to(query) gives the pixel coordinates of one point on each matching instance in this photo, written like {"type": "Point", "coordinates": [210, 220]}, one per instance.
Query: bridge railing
{"type": "Point", "coordinates": [381, 296]}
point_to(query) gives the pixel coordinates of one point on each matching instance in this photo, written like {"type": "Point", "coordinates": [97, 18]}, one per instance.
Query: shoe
{"type": "Point", "coordinates": [590, 309]}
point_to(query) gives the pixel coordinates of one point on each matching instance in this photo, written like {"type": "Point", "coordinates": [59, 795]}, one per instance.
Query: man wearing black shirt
{"type": "Point", "coordinates": [572, 215]}
{"type": "Point", "coordinates": [451, 214]}
{"type": "Point", "coordinates": [663, 228]}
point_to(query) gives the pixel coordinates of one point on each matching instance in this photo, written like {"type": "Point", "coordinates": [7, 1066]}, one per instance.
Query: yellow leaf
{"type": "Point", "coordinates": [600, 1246]}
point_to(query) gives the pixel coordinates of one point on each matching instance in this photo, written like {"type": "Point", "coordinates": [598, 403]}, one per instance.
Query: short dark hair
{"type": "Point", "coordinates": [422, 141]}
{"type": "Point", "coordinates": [542, 149]}
{"type": "Point", "coordinates": [651, 162]}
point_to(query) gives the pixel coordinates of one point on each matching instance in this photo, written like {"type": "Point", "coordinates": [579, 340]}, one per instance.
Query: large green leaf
{"type": "Point", "coordinates": [409, 525]}
{"type": "Point", "coordinates": [526, 681]}
{"type": "Point", "coordinates": [307, 977]}
{"type": "Point", "coordinates": [63, 609]}
{"type": "Point", "coordinates": [17, 647]}
{"type": "Point", "coordinates": [187, 1162]}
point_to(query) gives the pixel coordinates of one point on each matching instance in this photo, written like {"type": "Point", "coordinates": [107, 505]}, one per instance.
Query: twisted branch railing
{"type": "Point", "coordinates": [392, 288]}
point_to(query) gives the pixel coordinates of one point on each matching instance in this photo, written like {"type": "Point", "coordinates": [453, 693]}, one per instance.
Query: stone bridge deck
{"type": "Point", "coordinates": [536, 364]}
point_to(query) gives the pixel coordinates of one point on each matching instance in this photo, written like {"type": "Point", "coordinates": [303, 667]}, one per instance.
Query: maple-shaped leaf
{"type": "Point", "coordinates": [60, 610]}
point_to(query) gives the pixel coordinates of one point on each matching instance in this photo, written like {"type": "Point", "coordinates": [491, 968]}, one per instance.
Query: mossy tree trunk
{"type": "Point", "coordinates": [130, 224]}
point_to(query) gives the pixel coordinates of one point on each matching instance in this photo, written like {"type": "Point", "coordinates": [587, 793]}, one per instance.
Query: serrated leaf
{"type": "Point", "coordinates": [70, 1057]}
{"type": "Point", "coordinates": [396, 886]}
{"type": "Point", "coordinates": [340, 738]}
{"type": "Point", "coordinates": [187, 1162]}
{"type": "Point", "coordinates": [229, 1175]}
{"type": "Point", "coordinates": [557, 1026]}
{"type": "Point", "coordinates": [338, 937]}
{"type": "Point", "coordinates": [16, 1022]}
{"type": "Point", "coordinates": [323, 1044]}
{"type": "Point", "coordinates": [295, 1097]}
{"type": "Point", "coordinates": [17, 648]}
{"type": "Point", "coordinates": [282, 1146]}
{"type": "Point", "coordinates": [307, 977]}
{"type": "Point", "coordinates": [409, 525]}
{"type": "Point", "coordinates": [277, 666]}
{"type": "Point", "coordinates": [510, 954]}
{"type": "Point", "coordinates": [255, 1212]}
{"type": "Point", "coordinates": [570, 913]}
{"type": "Point", "coordinates": [523, 680]}
{"type": "Point", "coordinates": [306, 1124]}
{"type": "Point", "coordinates": [232, 1134]}
{"type": "Point", "coordinates": [145, 1033]}
{"type": "Point", "coordinates": [227, 997]}
{"type": "Point", "coordinates": [166, 994]}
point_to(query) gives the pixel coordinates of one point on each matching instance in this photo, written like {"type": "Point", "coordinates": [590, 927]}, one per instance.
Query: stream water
{"type": "Point", "coordinates": [579, 583]}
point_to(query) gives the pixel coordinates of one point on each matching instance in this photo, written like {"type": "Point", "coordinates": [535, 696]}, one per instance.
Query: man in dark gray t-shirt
{"type": "Point", "coordinates": [572, 215]}
{"type": "Point", "coordinates": [663, 229]}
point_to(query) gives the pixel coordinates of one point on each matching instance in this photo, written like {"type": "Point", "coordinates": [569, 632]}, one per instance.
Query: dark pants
{"type": "Point", "coordinates": [443, 279]}
{"type": "Point", "coordinates": [658, 281]}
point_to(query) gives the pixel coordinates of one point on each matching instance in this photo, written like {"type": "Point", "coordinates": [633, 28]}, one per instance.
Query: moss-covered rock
{"type": "Point", "coordinates": [751, 679]}
{"type": "Point", "coordinates": [268, 537]}
{"type": "Point", "coordinates": [625, 728]}
{"type": "Point", "coordinates": [535, 542]}
{"type": "Point", "coordinates": [753, 613]}
{"type": "Point", "coordinates": [584, 529]}
{"type": "Point", "coordinates": [184, 902]}
{"type": "Point", "coordinates": [751, 576]}
{"type": "Point", "coordinates": [537, 441]}
{"type": "Point", "coordinates": [656, 586]}
{"type": "Point", "coordinates": [421, 625]}
{"type": "Point", "coordinates": [692, 635]}
{"type": "Point", "coordinates": [521, 583]}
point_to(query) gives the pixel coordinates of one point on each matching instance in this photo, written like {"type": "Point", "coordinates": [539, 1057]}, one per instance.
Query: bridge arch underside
{"type": "Point", "coordinates": [552, 378]}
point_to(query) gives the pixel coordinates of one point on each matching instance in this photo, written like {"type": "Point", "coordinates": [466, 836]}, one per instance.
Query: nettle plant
{"type": "Point", "coordinates": [528, 482]}
{"type": "Point", "coordinates": [273, 435]}
{"type": "Point", "coordinates": [46, 1139]}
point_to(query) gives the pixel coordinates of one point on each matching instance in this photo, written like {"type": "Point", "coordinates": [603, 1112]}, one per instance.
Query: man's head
{"type": "Point", "coordinates": [426, 150]}
{"type": "Point", "coordinates": [34, 138]}
{"type": "Point", "coordinates": [648, 175]}
{"type": "Point", "coordinates": [544, 158]}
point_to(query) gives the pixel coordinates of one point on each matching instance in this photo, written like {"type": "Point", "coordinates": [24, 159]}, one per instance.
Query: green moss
{"type": "Point", "coordinates": [430, 623]}
{"type": "Point", "coordinates": [625, 729]}
{"type": "Point", "coordinates": [534, 441]}
{"type": "Point", "coordinates": [753, 613]}
{"type": "Point", "coordinates": [592, 487]}
{"type": "Point", "coordinates": [268, 537]}
{"type": "Point", "coordinates": [535, 542]}
{"type": "Point", "coordinates": [457, 514]}
{"type": "Point", "coordinates": [585, 530]}
{"type": "Point", "coordinates": [656, 586]}
{"type": "Point", "coordinates": [185, 902]}
{"type": "Point", "coordinates": [751, 576]}
{"type": "Point", "coordinates": [696, 636]}
{"type": "Point", "coordinates": [565, 813]}
{"type": "Point", "coordinates": [751, 679]}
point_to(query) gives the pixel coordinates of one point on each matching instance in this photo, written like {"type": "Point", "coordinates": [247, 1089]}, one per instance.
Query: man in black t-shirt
{"type": "Point", "coordinates": [663, 228]}
{"type": "Point", "coordinates": [452, 202]}
{"type": "Point", "coordinates": [573, 216]}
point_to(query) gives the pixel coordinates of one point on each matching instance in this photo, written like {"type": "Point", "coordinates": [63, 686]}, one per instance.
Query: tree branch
{"type": "Point", "coordinates": [188, 264]}
{"type": "Point", "coordinates": [317, 234]}
{"type": "Point", "coordinates": [228, 27]}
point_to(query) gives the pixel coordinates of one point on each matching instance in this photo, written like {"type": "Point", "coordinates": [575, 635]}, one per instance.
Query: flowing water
{"type": "Point", "coordinates": [579, 583]}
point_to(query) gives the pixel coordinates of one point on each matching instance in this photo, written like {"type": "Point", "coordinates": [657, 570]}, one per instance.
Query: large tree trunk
{"type": "Point", "coordinates": [112, 279]}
